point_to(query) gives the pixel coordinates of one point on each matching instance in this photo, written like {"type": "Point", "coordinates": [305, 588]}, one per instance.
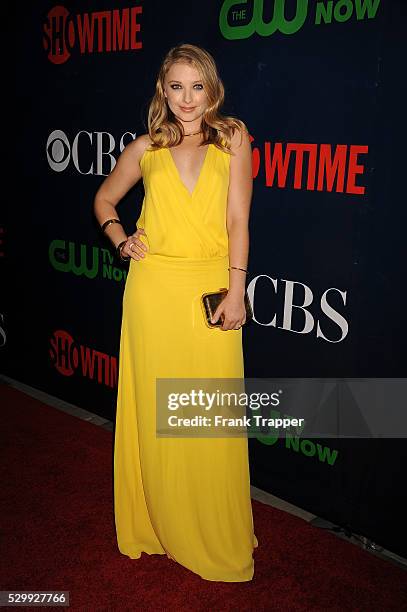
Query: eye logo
{"type": "Point", "coordinates": [58, 150]}
{"type": "Point", "coordinates": [64, 352]}
{"type": "Point", "coordinates": [59, 33]}
{"type": "Point", "coordinates": [257, 24]}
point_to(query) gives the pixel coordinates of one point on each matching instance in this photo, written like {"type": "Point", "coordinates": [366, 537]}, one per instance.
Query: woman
{"type": "Point", "coordinates": [188, 498]}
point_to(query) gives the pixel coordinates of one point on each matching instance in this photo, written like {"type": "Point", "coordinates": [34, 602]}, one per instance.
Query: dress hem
{"type": "Point", "coordinates": [211, 578]}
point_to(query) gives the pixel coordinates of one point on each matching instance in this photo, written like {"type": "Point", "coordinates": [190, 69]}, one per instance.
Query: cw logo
{"type": "Point", "coordinates": [67, 263]}
{"type": "Point", "coordinates": [256, 24]}
{"type": "Point", "coordinates": [70, 257]}
{"type": "Point", "coordinates": [325, 12]}
{"type": "Point", "coordinates": [292, 441]}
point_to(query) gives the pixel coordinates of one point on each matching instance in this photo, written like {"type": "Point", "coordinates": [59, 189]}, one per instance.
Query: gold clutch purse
{"type": "Point", "coordinates": [210, 302]}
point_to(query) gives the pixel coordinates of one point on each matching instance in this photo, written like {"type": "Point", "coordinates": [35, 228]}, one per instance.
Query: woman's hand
{"type": "Point", "coordinates": [134, 247]}
{"type": "Point", "coordinates": [233, 311]}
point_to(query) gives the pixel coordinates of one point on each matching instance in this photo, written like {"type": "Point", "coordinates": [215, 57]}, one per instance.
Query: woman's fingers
{"type": "Point", "coordinates": [137, 252]}
{"type": "Point", "coordinates": [137, 246]}
{"type": "Point", "coordinates": [140, 242]}
{"type": "Point", "coordinates": [226, 323]}
{"type": "Point", "coordinates": [218, 313]}
{"type": "Point", "coordinates": [130, 249]}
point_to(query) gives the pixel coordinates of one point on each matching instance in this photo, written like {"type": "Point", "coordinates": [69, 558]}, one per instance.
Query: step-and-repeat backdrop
{"type": "Point", "coordinates": [318, 83]}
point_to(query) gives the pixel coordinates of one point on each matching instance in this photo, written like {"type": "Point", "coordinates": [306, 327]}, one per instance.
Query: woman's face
{"type": "Point", "coordinates": [185, 93]}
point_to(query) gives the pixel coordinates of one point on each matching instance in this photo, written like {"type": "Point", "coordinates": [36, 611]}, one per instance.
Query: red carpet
{"type": "Point", "coordinates": [58, 533]}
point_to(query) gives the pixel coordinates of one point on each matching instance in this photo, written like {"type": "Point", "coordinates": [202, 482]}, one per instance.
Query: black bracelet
{"type": "Point", "coordinates": [108, 222]}
{"type": "Point", "coordinates": [118, 252]}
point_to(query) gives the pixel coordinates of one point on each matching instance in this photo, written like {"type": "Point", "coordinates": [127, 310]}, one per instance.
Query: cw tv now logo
{"type": "Point", "coordinates": [242, 18]}
{"type": "Point", "coordinates": [307, 448]}
{"type": "Point", "coordinates": [82, 260]}
{"type": "Point", "coordinates": [97, 32]}
{"type": "Point", "coordinates": [69, 357]}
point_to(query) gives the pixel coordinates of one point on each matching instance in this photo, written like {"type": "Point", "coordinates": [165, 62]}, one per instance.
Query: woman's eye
{"type": "Point", "coordinates": [176, 86]}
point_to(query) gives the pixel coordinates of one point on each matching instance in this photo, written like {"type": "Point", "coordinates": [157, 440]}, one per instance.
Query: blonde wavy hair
{"type": "Point", "coordinates": [164, 128]}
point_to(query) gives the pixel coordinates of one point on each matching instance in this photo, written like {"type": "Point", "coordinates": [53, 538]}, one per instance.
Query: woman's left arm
{"type": "Point", "coordinates": [232, 306]}
{"type": "Point", "coordinates": [238, 209]}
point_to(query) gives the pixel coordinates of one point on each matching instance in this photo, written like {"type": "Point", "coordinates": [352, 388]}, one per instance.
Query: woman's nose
{"type": "Point", "coordinates": [187, 97]}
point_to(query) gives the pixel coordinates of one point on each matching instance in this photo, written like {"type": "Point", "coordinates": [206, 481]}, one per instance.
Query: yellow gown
{"type": "Point", "coordinates": [188, 498]}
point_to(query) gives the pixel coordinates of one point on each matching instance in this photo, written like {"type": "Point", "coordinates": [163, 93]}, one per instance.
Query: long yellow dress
{"type": "Point", "coordinates": [188, 498]}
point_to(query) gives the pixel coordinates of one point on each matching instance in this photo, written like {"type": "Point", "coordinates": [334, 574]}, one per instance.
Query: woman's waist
{"type": "Point", "coordinates": [183, 262]}
{"type": "Point", "coordinates": [186, 267]}
{"type": "Point", "coordinates": [182, 242]}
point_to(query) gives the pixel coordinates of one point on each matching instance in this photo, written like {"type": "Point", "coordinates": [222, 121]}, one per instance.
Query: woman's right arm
{"type": "Point", "coordinates": [125, 174]}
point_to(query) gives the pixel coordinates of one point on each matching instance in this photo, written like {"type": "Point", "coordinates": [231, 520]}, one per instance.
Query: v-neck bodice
{"type": "Point", "coordinates": [180, 223]}
{"type": "Point", "coordinates": [201, 171]}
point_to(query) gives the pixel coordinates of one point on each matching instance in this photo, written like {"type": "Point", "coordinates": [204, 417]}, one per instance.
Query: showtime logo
{"type": "Point", "coordinates": [68, 356]}
{"type": "Point", "coordinates": [321, 167]}
{"type": "Point", "coordinates": [89, 152]}
{"type": "Point", "coordinates": [97, 32]}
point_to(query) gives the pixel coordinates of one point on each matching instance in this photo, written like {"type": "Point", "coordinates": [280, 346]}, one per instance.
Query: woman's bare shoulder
{"type": "Point", "coordinates": [240, 136]}
{"type": "Point", "coordinates": [137, 146]}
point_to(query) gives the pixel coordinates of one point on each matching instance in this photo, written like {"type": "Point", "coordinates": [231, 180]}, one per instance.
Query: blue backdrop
{"type": "Point", "coordinates": [320, 86]}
